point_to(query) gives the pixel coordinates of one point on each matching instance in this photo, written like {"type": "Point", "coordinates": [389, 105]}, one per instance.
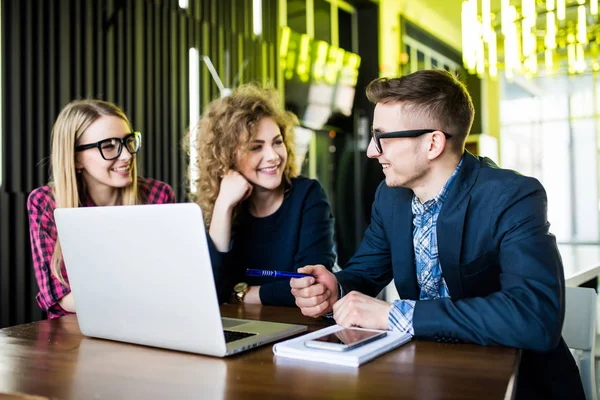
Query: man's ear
{"type": "Point", "coordinates": [437, 144]}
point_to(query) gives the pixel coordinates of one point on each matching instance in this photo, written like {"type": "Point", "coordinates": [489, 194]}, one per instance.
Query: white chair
{"type": "Point", "coordinates": [579, 332]}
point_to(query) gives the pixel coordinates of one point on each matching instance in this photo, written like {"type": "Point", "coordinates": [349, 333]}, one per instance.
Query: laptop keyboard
{"type": "Point", "coordinates": [232, 336]}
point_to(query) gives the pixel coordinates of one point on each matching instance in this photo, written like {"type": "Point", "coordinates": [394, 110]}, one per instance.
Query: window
{"type": "Point", "coordinates": [421, 57]}
{"type": "Point", "coordinates": [549, 131]}
{"type": "Point", "coordinates": [322, 17]}
{"type": "Point", "coordinates": [296, 15]}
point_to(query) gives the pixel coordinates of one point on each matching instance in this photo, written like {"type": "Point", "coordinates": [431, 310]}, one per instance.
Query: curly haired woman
{"type": "Point", "coordinates": [258, 212]}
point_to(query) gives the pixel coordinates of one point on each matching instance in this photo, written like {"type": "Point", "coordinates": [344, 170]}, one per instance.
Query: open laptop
{"type": "Point", "coordinates": [142, 274]}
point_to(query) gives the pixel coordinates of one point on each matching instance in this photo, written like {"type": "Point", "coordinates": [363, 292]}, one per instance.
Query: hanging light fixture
{"type": "Point", "coordinates": [530, 37]}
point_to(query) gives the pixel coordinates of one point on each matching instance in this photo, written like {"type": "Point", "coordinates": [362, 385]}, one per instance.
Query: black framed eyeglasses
{"type": "Point", "coordinates": [111, 148]}
{"type": "Point", "coordinates": [377, 136]}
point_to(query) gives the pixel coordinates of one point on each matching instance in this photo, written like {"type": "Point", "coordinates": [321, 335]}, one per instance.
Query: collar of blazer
{"type": "Point", "coordinates": [451, 221]}
{"type": "Point", "coordinates": [450, 226]}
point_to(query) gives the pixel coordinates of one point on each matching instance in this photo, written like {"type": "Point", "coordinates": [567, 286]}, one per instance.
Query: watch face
{"type": "Point", "coordinates": [240, 287]}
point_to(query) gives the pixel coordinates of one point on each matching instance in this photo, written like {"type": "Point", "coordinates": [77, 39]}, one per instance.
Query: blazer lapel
{"type": "Point", "coordinates": [451, 221]}
{"type": "Point", "coordinates": [403, 254]}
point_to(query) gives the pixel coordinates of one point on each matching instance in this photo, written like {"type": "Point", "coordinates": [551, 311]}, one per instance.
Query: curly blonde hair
{"type": "Point", "coordinates": [223, 134]}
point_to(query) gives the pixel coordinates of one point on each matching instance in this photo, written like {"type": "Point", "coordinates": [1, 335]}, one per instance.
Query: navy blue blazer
{"type": "Point", "coordinates": [500, 262]}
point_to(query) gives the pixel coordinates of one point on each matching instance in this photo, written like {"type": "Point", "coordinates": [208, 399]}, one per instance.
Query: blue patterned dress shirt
{"type": "Point", "coordinates": [428, 268]}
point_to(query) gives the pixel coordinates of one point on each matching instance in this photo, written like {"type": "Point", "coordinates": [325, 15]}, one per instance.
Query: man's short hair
{"type": "Point", "coordinates": [434, 97]}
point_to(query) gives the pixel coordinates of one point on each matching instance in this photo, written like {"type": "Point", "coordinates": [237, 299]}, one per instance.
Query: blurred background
{"type": "Point", "coordinates": [531, 67]}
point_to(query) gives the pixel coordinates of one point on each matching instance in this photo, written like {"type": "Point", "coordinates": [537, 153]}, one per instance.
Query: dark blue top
{"type": "Point", "coordinates": [299, 233]}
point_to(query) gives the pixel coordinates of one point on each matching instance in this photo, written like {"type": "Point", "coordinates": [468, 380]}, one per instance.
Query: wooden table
{"type": "Point", "coordinates": [53, 359]}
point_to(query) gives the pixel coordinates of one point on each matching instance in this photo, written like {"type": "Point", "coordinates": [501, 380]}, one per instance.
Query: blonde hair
{"type": "Point", "coordinates": [74, 119]}
{"type": "Point", "coordinates": [224, 132]}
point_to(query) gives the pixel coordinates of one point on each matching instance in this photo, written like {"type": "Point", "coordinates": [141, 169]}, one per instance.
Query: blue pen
{"type": "Point", "coordinates": [275, 274]}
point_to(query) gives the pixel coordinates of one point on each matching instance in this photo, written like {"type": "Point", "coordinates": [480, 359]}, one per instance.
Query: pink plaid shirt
{"type": "Point", "coordinates": [42, 230]}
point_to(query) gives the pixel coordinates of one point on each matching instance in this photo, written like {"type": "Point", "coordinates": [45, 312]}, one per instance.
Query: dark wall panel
{"type": "Point", "coordinates": [131, 52]}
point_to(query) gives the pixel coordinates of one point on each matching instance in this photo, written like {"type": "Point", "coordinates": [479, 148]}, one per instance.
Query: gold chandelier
{"type": "Point", "coordinates": [530, 37]}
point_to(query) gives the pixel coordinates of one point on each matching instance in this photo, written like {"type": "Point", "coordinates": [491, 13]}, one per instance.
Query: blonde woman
{"type": "Point", "coordinates": [258, 212]}
{"type": "Point", "coordinates": [93, 163]}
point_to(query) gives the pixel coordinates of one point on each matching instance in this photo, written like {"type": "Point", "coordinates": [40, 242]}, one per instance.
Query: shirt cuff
{"type": "Point", "coordinates": [341, 294]}
{"type": "Point", "coordinates": [400, 317]}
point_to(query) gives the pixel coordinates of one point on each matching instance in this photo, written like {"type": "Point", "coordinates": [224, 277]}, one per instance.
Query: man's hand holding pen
{"type": "Point", "coordinates": [315, 295]}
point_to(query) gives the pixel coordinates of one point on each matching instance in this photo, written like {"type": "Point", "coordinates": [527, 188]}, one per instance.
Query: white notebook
{"type": "Point", "coordinates": [295, 348]}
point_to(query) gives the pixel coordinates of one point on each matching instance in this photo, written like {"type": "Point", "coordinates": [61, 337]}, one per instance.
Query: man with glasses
{"type": "Point", "coordinates": [467, 243]}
